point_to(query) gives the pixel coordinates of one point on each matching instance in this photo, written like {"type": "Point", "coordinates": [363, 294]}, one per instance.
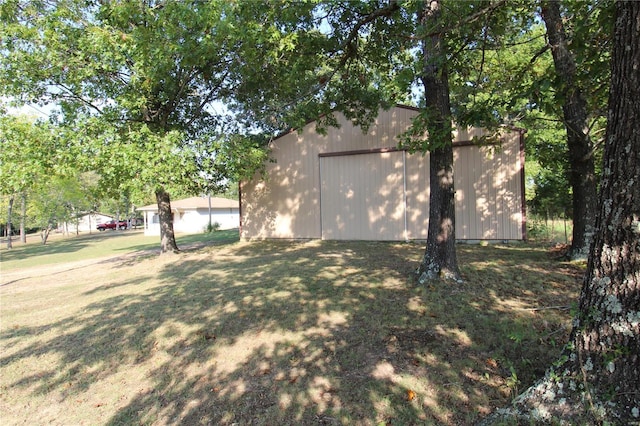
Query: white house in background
{"type": "Point", "coordinates": [191, 215]}
{"type": "Point", "coordinates": [86, 223]}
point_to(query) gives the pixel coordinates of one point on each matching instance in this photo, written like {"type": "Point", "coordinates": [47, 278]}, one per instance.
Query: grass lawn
{"type": "Point", "coordinates": [273, 332]}
{"type": "Point", "coordinates": [61, 248]}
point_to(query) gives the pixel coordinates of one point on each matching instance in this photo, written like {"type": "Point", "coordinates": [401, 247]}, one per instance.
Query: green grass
{"type": "Point", "coordinates": [557, 230]}
{"type": "Point", "coordinates": [60, 249]}
{"type": "Point", "coordinates": [279, 332]}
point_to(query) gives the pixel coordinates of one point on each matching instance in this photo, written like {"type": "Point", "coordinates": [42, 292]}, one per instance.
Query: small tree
{"type": "Point", "coordinates": [49, 207]}
{"type": "Point", "coordinates": [27, 154]}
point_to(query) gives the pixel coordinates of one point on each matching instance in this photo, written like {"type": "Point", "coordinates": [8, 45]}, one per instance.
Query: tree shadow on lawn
{"type": "Point", "coordinates": [191, 242]}
{"type": "Point", "coordinates": [315, 333]}
{"type": "Point", "coordinates": [67, 245]}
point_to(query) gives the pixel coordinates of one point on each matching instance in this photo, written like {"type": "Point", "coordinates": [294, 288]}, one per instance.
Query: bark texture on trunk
{"type": "Point", "coordinates": [44, 234]}
{"type": "Point", "coordinates": [582, 171]}
{"type": "Point", "coordinates": [608, 330]}
{"type": "Point", "coordinates": [439, 260]}
{"type": "Point", "coordinates": [598, 378]}
{"type": "Point", "coordinates": [9, 230]}
{"type": "Point", "coordinates": [23, 216]}
{"type": "Point", "coordinates": [167, 236]}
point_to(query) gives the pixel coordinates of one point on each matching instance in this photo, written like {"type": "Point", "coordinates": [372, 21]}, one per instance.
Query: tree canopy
{"type": "Point", "coordinates": [136, 83]}
{"type": "Point", "coordinates": [141, 84]}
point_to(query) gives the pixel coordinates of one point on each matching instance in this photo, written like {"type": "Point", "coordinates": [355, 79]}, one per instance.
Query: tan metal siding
{"type": "Point", "coordinates": [287, 204]}
{"type": "Point", "coordinates": [417, 169]}
{"type": "Point", "coordinates": [474, 195]}
{"type": "Point", "coordinates": [363, 197]}
{"type": "Point", "coordinates": [488, 191]}
{"type": "Point", "coordinates": [382, 133]}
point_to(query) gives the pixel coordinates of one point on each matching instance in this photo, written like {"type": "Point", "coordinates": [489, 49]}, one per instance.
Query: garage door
{"type": "Point", "coordinates": [363, 196]}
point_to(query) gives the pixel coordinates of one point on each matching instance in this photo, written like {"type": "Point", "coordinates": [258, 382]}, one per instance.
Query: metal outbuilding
{"type": "Point", "coordinates": [350, 185]}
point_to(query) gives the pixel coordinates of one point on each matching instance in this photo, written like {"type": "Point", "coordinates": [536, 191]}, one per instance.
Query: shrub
{"type": "Point", "coordinates": [212, 227]}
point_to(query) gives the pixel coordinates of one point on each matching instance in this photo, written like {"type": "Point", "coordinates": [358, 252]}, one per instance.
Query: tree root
{"type": "Point", "coordinates": [556, 400]}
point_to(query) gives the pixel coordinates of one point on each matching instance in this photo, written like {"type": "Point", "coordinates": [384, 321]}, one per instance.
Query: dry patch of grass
{"type": "Point", "coordinates": [281, 333]}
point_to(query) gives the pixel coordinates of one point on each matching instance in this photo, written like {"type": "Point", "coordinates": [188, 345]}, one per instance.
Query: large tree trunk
{"type": "Point", "coordinates": [582, 173]}
{"type": "Point", "coordinates": [439, 260]}
{"type": "Point", "coordinates": [607, 332]}
{"type": "Point", "coordinates": [598, 378]}
{"type": "Point", "coordinates": [167, 236]}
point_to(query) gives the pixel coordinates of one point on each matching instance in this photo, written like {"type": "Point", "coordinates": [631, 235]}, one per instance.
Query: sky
{"type": "Point", "coordinates": [32, 110]}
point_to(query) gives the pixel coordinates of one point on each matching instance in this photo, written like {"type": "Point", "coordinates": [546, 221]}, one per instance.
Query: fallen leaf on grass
{"type": "Point", "coordinates": [206, 335]}
{"type": "Point", "coordinates": [410, 395]}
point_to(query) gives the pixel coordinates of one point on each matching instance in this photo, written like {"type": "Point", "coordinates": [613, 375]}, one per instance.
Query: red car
{"type": "Point", "coordinates": [112, 224]}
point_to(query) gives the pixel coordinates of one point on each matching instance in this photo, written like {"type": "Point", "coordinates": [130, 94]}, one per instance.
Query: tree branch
{"type": "Point", "coordinates": [77, 97]}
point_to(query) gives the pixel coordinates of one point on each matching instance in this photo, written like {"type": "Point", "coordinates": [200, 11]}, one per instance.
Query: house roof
{"type": "Point", "coordinates": [194, 203]}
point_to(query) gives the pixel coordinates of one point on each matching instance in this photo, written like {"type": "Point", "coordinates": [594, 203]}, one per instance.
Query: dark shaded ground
{"type": "Point", "coordinates": [302, 333]}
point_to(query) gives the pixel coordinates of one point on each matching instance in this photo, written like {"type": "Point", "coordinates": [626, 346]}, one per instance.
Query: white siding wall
{"type": "Point", "coordinates": [194, 221]}
{"type": "Point", "coordinates": [87, 223]}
